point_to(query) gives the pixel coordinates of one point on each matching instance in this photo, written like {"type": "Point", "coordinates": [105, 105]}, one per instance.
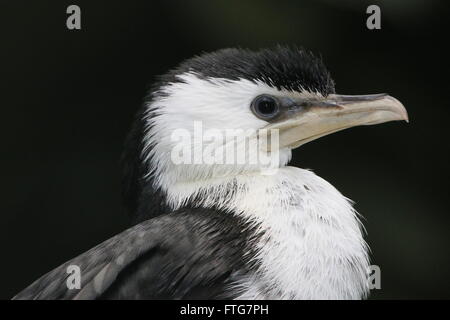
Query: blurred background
{"type": "Point", "coordinates": [68, 99]}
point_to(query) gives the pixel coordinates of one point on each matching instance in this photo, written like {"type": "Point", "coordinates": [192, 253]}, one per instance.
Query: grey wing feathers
{"type": "Point", "coordinates": [187, 254]}
{"type": "Point", "coordinates": [99, 266]}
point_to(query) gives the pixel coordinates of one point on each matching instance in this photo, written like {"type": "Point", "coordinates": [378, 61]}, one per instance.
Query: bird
{"type": "Point", "coordinates": [232, 230]}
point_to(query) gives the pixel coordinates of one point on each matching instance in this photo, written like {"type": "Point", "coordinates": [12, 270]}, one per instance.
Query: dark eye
{"type": "Point", "coordinates": [265, 107]}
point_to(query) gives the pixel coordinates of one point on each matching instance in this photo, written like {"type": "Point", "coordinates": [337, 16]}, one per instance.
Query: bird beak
{"type": "Point", "coordinates": [304, 120]}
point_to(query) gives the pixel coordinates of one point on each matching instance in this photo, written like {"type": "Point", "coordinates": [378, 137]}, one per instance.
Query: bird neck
{"type": "Point", "coordinates": [310, 231]}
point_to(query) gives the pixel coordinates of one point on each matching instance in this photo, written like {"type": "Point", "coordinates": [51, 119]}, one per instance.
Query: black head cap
{"type": "Point", "coordinates": [282, 67]}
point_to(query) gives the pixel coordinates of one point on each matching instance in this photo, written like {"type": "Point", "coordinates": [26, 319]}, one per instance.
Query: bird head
{"type": "Point", "coordinates": [284, 95]}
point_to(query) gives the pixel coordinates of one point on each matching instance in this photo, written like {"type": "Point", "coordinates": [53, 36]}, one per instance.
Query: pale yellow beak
{"type": "Point", "coordinates": [314, 119]}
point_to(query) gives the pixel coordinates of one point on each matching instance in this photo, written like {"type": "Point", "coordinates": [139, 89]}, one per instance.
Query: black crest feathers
{"type": "Point", "coordinates": [282, 67]}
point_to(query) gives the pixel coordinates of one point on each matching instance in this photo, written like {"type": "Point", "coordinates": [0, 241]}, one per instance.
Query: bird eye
{"type": "Point", "coordinates": [265, 107]}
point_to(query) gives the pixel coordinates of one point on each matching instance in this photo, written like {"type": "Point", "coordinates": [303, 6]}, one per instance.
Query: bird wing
{"type": "Point", "coordinates": [187, 254]}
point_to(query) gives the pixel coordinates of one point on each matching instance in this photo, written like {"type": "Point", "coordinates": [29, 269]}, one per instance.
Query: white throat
{"type": "Point", "coordinates": [312, 245]}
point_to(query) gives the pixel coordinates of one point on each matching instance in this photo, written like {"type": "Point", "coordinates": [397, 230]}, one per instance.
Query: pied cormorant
{"type": "Point", "coordinates": [232, 230]}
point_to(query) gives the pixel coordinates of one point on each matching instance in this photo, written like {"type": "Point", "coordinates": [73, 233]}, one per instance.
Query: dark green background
{"type": "Point", "coordinates": [68, 98]}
